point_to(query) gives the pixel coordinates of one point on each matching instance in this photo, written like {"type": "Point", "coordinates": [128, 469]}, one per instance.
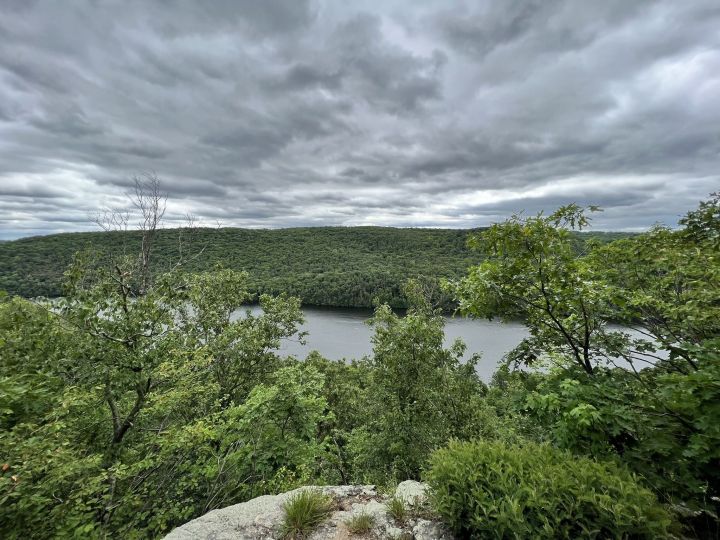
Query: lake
{"type": "Point", "coordinates": [338, 333]}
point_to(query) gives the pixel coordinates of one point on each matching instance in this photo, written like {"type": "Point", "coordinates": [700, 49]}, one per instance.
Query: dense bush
{"type": "Point", "coordinates": [489, 489]}
{"type": "Point", "coordinates": [662, 425]}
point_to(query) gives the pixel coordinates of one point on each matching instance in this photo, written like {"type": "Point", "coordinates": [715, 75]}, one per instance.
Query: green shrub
{"type": "Point", "coordinates": [304, 511]}
{"type": "Point", "coordinates": [535, 491]}
{"type": "Point", "coordinates": [360, 523]}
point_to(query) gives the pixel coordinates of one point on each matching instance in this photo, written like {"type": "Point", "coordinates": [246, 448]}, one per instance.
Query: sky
{"type": "Point", "coordinates": [400, 113]}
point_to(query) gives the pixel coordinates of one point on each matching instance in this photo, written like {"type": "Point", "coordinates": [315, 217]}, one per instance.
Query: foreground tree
{"type": "Point", "coordinates": [420, 394]}
{"type": "Point", "coordinates": [242, 345]}
{"type": "Point", "coordinates": [131, 355]}
{"type": "Point", "coordinates": [531, 271]}
{"type": "Point", "coordinates": [654, 413]}
{"type": "Point", "coordinates": [665, 285]}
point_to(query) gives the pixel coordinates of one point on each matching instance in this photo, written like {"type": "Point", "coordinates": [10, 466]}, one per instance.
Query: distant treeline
{"type": "Point", "coordinates": [324, 266]}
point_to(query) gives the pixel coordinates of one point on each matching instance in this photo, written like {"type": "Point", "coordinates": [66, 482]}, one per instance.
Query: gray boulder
{"type": "Point", "coordinates": [261, 518]}
{"type": "Point", "coordinates": [412, 493]}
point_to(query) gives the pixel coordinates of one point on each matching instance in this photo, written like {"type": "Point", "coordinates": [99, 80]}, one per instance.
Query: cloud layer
{"type": "Point", "coordinates": [277, 113]}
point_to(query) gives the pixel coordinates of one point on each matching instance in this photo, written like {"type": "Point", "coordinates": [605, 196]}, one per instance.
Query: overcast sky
{"type": "Point", "coordinates": [404, 113]}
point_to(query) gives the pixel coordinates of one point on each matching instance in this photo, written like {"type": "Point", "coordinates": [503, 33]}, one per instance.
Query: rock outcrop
{"type": "Point", "coordinates": [262, 518]}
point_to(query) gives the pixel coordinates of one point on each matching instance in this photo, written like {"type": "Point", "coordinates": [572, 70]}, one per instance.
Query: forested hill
{"type": "Point", "coordinates": [332, 266]}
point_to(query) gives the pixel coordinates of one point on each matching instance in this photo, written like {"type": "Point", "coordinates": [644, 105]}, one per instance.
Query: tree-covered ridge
{"type": "Point", "coordinates": [336, 266]}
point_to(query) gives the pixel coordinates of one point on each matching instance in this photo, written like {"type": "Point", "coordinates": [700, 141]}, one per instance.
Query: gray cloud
{"type": "Point", "coordinates": [270, 114]}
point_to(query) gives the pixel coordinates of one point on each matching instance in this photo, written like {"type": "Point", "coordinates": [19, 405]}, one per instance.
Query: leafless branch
{"type": "Point", "coordinates": [152, 203]}
{"type": "Point", "coordinates": [109, 219]}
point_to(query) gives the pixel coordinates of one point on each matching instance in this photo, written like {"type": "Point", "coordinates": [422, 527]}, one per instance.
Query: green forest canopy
{"type": "Point", "coordinates": [326, 266]}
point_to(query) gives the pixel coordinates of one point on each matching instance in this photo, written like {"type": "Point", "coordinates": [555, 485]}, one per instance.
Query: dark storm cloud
{"type": "Point", "coordinates": [498, 23]}
{"type": "Point", "coordinates": [279, 113]}
{"type": "Point", "coordinates": [305, 77]}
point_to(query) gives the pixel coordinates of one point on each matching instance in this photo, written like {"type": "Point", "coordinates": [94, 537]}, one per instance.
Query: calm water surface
{"type": "Point", "coordinates": [338, 333]}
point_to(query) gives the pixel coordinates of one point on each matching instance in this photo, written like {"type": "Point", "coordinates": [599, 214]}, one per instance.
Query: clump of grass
{"type": "Point", "coordinates": [360, 523]}
{"type": "Point", "coordinates": [304, 511]}
{"type": "Point", "coordinates": [396, 508]}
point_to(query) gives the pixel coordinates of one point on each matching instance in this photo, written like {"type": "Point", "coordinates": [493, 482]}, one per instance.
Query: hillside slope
{"type": "Point", "coordinates": [334, 266]}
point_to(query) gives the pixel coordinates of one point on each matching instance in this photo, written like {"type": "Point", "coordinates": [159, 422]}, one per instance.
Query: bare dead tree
{"type": "Point", "coordinates": [151, 202]}
{"type": "Point", "coordinates": [109, 219]}
{"type": "Point", "coordinates": [113, 220]}
{"type": "Point", "coordinates": [191, 222]}
{"type": "Point", "coordinates": [186, 235]}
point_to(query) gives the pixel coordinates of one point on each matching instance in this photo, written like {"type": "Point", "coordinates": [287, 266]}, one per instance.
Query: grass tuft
{"type": "Point", "coordinates": [304, 511]}
{"type": "Point", "coordinates": [360, 523]}
{"type": "Point", "coordinates": [397, 509]}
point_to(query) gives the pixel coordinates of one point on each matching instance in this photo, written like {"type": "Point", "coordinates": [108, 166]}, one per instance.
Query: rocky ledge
{"type": "Point", "coordinates": [262, 518]}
